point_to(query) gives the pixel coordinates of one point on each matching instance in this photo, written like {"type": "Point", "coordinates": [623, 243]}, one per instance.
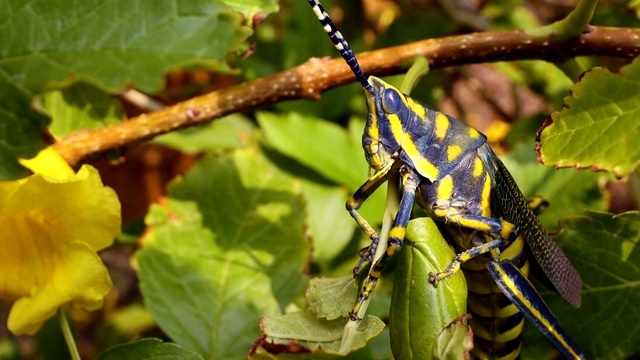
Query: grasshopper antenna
{"type": "Point", "coordinates": [340, 43]}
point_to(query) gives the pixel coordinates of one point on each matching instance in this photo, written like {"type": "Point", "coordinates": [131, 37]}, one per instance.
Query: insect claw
{"type": "Point", "coordinates": [365, 252]}
{"type": "Point", "coordinates": [433, 278]}
{"type": "Point", "coordinates": [354, 317]}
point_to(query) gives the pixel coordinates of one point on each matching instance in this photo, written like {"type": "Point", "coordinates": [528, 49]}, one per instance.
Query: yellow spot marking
{"type": "Point", "coordinates": [453, 151]}
{"type": "Point", "coordinates": [507, 228]}
{"type": "Point", "coordinates": [485, 199]}
{"type": "Point", "coordinates": [424, 166]}
{"type": "Point", "coordinates": [397, 233]}
{"type": "Point", "coordinates": [442, 125]}
{"type": "Point", "coordinates": [375, 275]}
{"type": "Point", "coordinates": [473, 133]}
{"type": "Point", "coordinates": [445, 188]}
{"type": "Point", "coordinates": [478, 168]}
{"type": "Point", "coordinates": [420, 110]}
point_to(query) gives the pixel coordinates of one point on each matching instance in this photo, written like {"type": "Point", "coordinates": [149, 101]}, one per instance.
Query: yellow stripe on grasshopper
{"type": "Point", "coordinates": [397, 233]}
{"type": "Point", "coordinates": [422, 165]}
{"type": "Point", "coordinates": [373, 130]}
{"type": "Point", "coordinates": [510, 334]}
{"type": "Point", "coordinates": [487, 310]}
{"type": "Point", "coordinates": [445, 188]}
{"type": "Point", "coordinates": [418, 109]}
{"type": "Point", "coordinates": [515, 249]}
{"type": "Point", "coordinates": [473, 224]}
{"type": "Point", "coordinates": [485, 202]}
{"type": "Point", "coordinates": [396, 128]}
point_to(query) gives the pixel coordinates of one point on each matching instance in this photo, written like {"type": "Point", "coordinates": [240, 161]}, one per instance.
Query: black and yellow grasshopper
{"type": "Point", "coordinates": [463, 185]}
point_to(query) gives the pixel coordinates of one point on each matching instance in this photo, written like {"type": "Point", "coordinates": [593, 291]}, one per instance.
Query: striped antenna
{"type": "Point", "coordinates": [340, 43]}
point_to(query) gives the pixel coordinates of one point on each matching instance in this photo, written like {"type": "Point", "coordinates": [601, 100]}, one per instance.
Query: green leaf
{"type": "Point", "coordinates": [454, 342]}
{"type": "Point", "coordinates": [332, 298]}
{"type": "Point", "coordinates": [208, 278]}
{"type": "Point", "coordinates": [115, 42]}
{"type": "Point", "coordinates": [604, 249]}
{"type": "Point", "coordinates": [419, 310]}
{"type": "Point", "coordinates": [249, 8]}
{"type": "Point", "coordinates": [148, 349]}
{"type": "Point", "coordinates": [21, 129]}
{"type": "Point", "coordinates": [80, 106]}
{"type": "Point", "coordinates": [331, 151]}
{"type": "Point", "coordinates": [109, 44]}
{"type": "Point", "coordinates": [320, 330]}
{"type": "Point", "coordinates": [331, 227]}
{"type": "Point", "coordinates": [316, 334]}
{"type": "Point", "coordinates": [569, 191]}
{"type": "Point", "coordinates": [229, 132]}
{"type": "Point", "coordinates": [325, 147]}
{"type": "Point", "coordinates": [130, 320]}
{"type": "Point", "coordinates": [598, 127]}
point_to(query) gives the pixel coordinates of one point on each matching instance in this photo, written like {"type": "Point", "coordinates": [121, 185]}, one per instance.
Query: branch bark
{"type": "Point", "coordinates": [312, 78]}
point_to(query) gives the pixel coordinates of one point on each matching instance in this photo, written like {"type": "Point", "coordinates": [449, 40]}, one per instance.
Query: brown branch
{"type": "Point", "coordinates": [315, 76]}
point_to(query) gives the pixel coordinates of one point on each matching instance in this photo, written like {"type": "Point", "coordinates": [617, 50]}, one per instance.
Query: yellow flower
{"type": "Point", "coordinates": [52, 224]}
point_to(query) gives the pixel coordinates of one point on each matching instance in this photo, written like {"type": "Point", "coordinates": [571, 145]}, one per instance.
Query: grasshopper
{"type": "Point", "coordinates": [454, 175]}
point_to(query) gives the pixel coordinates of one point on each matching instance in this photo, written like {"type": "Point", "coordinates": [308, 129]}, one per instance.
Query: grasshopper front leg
{"type": "Point", "coordinates": [353, 204]}
{"type": "Point", "coordinates": [410, 181]}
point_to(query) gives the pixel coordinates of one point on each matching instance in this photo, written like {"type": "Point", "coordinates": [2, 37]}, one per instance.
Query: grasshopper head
{"type": "Point", "coordinates": [383, 131]}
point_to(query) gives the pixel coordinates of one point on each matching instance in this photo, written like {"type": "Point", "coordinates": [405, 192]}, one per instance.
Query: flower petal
{"type": "Point", "coordinates": [79, 278]}
{"type": "Point", "coordinates": [80, 209]}
{"type": "Point", "coordinates": [49, 163]}
{"type": "Point", "coordinates": [51, 225]}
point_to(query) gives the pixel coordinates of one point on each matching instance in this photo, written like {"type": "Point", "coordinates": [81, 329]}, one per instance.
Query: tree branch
{"type": "Point", "coordinates": [312, 78]}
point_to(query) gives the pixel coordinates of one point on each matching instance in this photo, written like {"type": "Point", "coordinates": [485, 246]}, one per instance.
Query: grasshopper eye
{"type": "Point", "coordinates": [391, 101]}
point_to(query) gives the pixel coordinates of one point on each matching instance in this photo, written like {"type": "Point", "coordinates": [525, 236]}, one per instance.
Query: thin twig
{"type": "Point", "coordinates": [312, 78]}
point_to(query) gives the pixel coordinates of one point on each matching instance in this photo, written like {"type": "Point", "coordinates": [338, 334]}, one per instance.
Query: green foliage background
{"type": "Point", "coordinates": [244, 231]}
